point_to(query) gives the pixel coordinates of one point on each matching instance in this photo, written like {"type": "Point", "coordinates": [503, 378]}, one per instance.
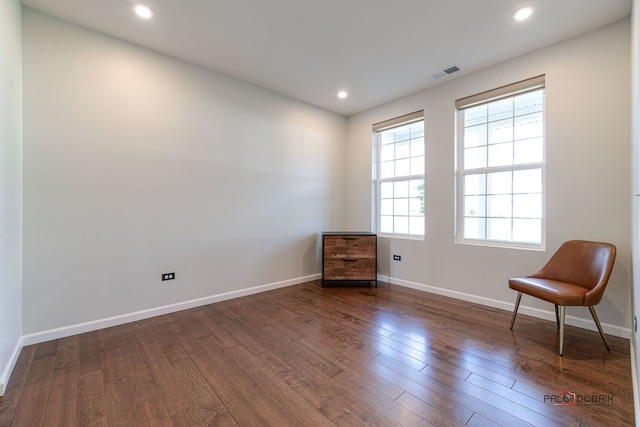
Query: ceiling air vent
{"type": "Point", "coordinates": [443, 73]}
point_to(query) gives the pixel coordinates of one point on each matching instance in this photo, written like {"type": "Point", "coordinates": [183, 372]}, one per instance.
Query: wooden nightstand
{"type": "Point", "coordinates": [349, 256]}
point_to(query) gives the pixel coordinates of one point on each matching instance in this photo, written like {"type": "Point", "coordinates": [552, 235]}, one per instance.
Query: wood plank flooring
{"type": "Point", "coordinates": [312, 356]}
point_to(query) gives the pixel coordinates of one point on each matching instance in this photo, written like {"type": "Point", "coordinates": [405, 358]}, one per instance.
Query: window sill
{"type": "Point", "coordinates": [503, 245]}
{"type": "Point", "coordinates": [401, 236]}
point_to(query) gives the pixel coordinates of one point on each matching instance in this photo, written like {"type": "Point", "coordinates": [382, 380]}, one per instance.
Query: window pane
{"type": "Point", "coordinates": [501, 131]}
{"type": "Point", "coordinates": [403, 133]}
{"type": "Point", "coordinates": [387, 137]}
{"type": "Point", "coordinates": [475, 184]}
{"type": "Point", "coordinates": [500, 109]}
{"type": "Point", "coordinates": [499, 183]}
{"type": "Point", "coordinates": [529, 126]}
{"type": "Point", "coordinates": [417, 129]}
{"type": "Point", "coordinates": [401, 206]}
{"type": "Point", "coordinates": [387, 169]}
{"type": "Point", "coordinates": [528, 102]}
{"type": "Point", "coordinates": [416, 188]}
{"type": "Point", "coordinates": [474, 228]}
{"type": "Point", "coordinates": [387, 153]}
{"type": "Point", "coordinates": [386, 224]}
{"type": "Point", "coordinates": [474, 206]}
{"type": "Point", "coordinates": [401, 224]}
{"type": "Point", "coordinates": [417, 147]}
{"type": "Point", "coordinates": [499, 229]}
{"type": "Point", "coordinates": [501, 154]}
{"type": "Point", "coordinates": [403, 167]}
{"type": "Point", "coordinates": [527, 206]}
{"type": "Point", "coordinates": [475, 136]}
{"type": "Point", "coordinates": [499, 206]}
{"type": "Point", "coordinates": [528, 151]}
{"type": "Point", "coordinates": [416, 206]}
{"type": "Point", "coordinates": [416, 192]}
{"type": "Point", "coordinates": [403, 149]}
{"type": "Point", "coordinates": [401, 189]}
{"type": "Point", "coordinates": [417, 165]}
{"type": "Point", "coordinates": [527, 230]}
{"type": "Point", "coordinates": [475, 158]}
{"type": "Point", "coordinates": [475, 115]}
{"type": "Point", "coordinates": [386, 190]}
{"type": "Point", "coordinates": [527, 181]}
{"type": "Point", "coordinates": [386, 207]}
{"type": "Point", "coordinates": [416, 225]}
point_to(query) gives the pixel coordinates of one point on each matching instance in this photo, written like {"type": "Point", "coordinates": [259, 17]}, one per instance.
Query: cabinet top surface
{"type": "Point", "coordinates": [348, 233]}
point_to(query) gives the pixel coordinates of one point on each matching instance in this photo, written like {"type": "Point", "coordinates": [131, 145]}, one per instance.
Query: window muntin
{"type": "Point", "coordinates": [501, 169]}
{"type": "Point", "coordinates": [400, 177]}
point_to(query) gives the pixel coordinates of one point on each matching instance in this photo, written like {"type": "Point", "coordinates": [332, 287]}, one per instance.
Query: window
{"type": "Point", "coordinates": [500, 179]}
{"type": "Point", "coordinates": [399, 179]}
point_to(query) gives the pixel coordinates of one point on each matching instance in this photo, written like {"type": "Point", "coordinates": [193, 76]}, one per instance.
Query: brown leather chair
{"type": "Point", "coordinates": [576, 275]}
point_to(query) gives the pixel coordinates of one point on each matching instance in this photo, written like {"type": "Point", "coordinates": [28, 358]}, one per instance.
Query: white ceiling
{"type": "Point", "coordinates": [377, 50]}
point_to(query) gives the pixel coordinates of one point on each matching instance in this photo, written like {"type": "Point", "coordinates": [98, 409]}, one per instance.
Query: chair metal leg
{"type": "Point", "coordinates": [595, 319]}
{"type": "Point", "coordinates": [562, 312]}
{"type": "Point", "coordinates": [557, 317]}
{"type": "Point", "coordinates": [515, 309]}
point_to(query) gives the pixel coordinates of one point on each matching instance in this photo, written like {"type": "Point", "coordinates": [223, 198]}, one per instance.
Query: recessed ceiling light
{"type": "Point", "coordinates": [523, 13]}
{"type": "Point", "coordinates": [143, 11]}
{"type": "Point", "coordinates": [342, 94]}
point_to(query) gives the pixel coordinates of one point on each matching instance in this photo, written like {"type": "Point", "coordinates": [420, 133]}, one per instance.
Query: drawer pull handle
{"type": "Point", "coordinates": [349, 260]}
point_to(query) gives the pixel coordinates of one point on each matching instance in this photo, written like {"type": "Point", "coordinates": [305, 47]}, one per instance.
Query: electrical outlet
{"type": "Point", "coordinates": [397, 258]}
{"type": "Point", "coordinates": [168, 276]}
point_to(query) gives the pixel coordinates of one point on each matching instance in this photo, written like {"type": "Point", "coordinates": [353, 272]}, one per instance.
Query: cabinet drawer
{"type": "Point", "coordinates": [349, 247]}
{"type": "Point", "coordinates": [350, 269]}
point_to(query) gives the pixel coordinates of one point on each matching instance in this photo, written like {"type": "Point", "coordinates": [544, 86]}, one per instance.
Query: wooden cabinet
{"type": "Point", "coordinates": [349, 256]}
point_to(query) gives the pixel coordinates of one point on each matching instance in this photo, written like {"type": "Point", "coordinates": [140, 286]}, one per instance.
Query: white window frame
{"type": "Point", "coordinates": [505, 92]}
{"type": "Point", "coordinates": [386, 125]}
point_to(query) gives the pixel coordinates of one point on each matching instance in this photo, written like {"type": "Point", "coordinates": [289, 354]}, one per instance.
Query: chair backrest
{"type": "Point", "coordinates": [584, 263]}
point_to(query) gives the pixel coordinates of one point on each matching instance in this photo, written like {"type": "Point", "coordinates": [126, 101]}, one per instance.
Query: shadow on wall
{"type": "Point", "coordinates": [311, 260]}
{"type": "Point", "coordinates": [384, 256]}
{"type": "Point", "coordinates": [618, 282]}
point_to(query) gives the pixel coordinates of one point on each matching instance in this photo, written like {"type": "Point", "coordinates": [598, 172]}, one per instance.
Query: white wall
{"type": "Point", "coordinates": [137, 164]}
{"type": "Point", "coordinates": [10, 187]}
{"type": "Point", "coordinates": [587, 128]}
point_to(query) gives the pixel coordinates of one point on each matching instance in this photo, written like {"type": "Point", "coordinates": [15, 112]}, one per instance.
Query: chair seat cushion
{"type": "Point", "coordinates": [554, 291]}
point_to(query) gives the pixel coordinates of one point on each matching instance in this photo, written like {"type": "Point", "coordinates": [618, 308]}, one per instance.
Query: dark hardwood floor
{"type": "Point", "coordinates": [311, 356]}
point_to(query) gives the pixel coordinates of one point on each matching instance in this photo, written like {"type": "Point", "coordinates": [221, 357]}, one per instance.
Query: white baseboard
{"type": "Point", "coordinates": [617, 331]}
{"type": "Point", "coordinates": [11, 363]}
{"type": "Point", "coordinates": [634, 381]}
{"type": "Point", "coordinates": [94, 325]}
